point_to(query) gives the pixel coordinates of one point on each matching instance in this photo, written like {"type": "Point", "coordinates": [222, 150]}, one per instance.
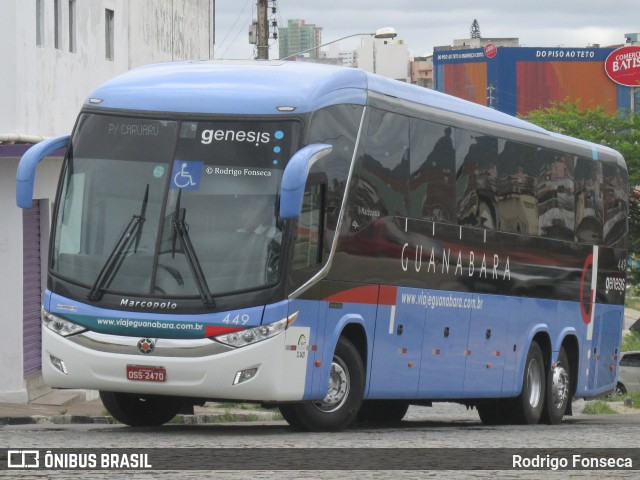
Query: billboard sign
{"type": "Point", "coordinates": [623, 66]}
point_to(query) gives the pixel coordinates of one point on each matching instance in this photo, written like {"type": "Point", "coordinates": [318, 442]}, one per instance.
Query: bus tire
{"type": "Point", "coordinates": [527, 408]}
{"type": "Point", "coordinates": [494, 412]}
{"type": "Point", "coordinates": [558, 390]}
{"type": "Point", "coordinates": [382, 411]}
{"type": "Point", "coordinates": [290, 414]}
{"type": "Point", "coordinates": [338, 409]}
{"type": "Point", "coordinates": [141, 410]}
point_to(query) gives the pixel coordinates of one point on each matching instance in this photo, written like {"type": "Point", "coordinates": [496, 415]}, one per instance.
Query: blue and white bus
{"type": "Point", "coordinates": [330, 242]}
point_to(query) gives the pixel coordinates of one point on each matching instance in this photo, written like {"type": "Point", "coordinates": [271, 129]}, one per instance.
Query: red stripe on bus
{"type": "Point", "coordinates": [215, 330]}
{"type": "Point", "coordinates": [369, 294]}
{"type": "Point", "coordinates": [388, 295]}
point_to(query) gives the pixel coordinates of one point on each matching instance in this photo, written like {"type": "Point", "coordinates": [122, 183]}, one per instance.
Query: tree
{"type": "Point", "coordinates": [620, 132]}
{"type": "Point", "coordinates": [475, 29]}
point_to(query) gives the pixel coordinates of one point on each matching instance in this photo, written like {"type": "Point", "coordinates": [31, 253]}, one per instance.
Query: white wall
{"type": "Point", "coordinates": [387, 58]}
{"type": "Point", "coordinates": [52, 84]}
{"type": "Point", "coordinates": [42, 89]}
{"type": "Point", "coordinates": [169, 30]}
{"type": "Point", "coordinates": [8, 78]}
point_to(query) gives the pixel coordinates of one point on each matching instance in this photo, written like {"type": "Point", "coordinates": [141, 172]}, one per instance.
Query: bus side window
{"type": "Point", "coordinates": [555, 194]}
{"type": "Point", "coordinates": [615, 205]}
{"type": "Point", "coordinates": [307, 249]}
{"type": "Point", "coordinates": [589, 201]}
{"type": "Point", "coordinates": [476, 195]}
{"type": "Point", "coordinates": [516, 188]}
{"type": "Point", "coordinates": [381, 175]}
{"type": "Point", "coordinates": [432, 175]}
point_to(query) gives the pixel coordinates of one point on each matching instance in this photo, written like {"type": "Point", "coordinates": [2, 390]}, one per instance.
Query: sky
{"type": "Point", "coordinates": [423, 24]}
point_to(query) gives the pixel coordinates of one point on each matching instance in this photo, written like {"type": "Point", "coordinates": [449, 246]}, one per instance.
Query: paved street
{"type": "Point", "coordinates": [443, 426]}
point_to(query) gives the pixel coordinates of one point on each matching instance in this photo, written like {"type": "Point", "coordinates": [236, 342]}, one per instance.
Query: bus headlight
{"type": "Point", "coordinates": [256, 334]}
{"type": "Point", "coordinates": [60, 325]}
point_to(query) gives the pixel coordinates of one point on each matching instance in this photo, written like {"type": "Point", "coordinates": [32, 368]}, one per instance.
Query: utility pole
{"type": "Point", "coordinates": [263, 31]}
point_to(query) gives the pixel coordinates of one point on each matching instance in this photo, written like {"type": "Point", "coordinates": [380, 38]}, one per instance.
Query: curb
{"type": "Point", "coordinates": [200, 419]}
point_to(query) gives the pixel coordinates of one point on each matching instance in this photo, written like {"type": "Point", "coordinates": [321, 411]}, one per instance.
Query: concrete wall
{"type": "Point", "coordinates": [8, 77]}
{"type": "Point", "coordinates": [170, 30]}
{"type": "Point", "coordinates": [42, 89]}
{"type": "Point", "coordinates": [52, 83]}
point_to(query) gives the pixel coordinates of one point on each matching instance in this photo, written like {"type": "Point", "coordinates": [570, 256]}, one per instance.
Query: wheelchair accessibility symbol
{"type": "Point", "coordinates": [186, 175]}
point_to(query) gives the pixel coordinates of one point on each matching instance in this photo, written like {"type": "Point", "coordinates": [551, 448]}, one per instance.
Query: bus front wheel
{"type": "Point", "coordinates": [141, 410]}
{"type": "Point", "coordinates": [339, 407]}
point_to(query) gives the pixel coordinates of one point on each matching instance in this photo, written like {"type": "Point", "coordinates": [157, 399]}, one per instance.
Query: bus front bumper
{"type": "Point", "coordinates": [265, 371]}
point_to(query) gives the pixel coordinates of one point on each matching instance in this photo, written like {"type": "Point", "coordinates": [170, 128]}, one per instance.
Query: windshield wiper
{"type": "Point", "coordinates": [116, 257]}
{"type": "Point", "coordinates": [181, 228]}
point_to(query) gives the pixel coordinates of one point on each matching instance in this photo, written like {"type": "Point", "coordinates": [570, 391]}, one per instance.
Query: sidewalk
{"type": "Point", "coordinates": [82, 406]}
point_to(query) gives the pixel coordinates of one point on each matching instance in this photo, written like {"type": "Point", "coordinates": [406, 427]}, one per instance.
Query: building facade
{"type": "Point", "coordinates": [298, 37]}
{"type": "Point", "coordinates": [389, 58]}
{"type": "Point", "coordinates": [55, 53]}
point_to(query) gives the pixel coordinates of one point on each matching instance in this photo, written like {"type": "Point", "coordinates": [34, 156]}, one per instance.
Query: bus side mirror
{"type": "Point", "coordinates": [26, 173]}
{"type": "Point", "coordinates": [295, 176]}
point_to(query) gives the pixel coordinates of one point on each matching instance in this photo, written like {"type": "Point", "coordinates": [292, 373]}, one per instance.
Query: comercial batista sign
{"type": "Point", "coordinates": [623, 66]}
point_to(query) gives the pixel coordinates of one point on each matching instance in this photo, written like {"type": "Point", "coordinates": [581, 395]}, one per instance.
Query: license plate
{"type": "Point", "coordinates": [139, 373]}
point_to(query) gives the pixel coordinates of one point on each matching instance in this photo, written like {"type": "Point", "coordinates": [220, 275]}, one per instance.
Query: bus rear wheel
{"type": "Point", "coordinates": [495, 412]}
{"type": "Point", "coordinates": [527, 408]}
{"type": "Point", "coordinates": [339, 407]}
{"type": "Point", "coordinates": [558, 390]}
{"type": "Point", "coordinates": [141, 410]}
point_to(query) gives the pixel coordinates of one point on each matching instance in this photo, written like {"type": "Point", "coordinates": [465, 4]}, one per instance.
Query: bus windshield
{"type": "Point", "coordinates": [193, 212]}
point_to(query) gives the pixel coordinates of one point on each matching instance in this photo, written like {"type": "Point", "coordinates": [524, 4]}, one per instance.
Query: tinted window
{"type": "Point", "coordinates": [307, 244]}
{"type": "Point", "coordinates": [630, 360]}
{"type": "Point", "coordinates": [555, 195]}
{"type": "Point", "coordinates": [476, 159]}
{"type": "Point", "coordinates": [616, 209]}
{"type": "Point", "coordinates": [381, 175]}
{"type": "Point", "coordinates": [432, 180]}
{"type": "Point", "coordinates": [588, 198]}
{"type": "Point", "coordinates": [338, 126]}
{"type": "Point", "coordinates": [517, 171]}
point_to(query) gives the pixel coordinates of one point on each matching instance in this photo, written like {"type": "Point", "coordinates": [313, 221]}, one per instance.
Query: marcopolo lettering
{"type": "Point", "coordinates": [153, 304]}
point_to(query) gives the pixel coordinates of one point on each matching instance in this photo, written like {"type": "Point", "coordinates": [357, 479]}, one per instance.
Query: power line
{"type": "Point", "coordinates": [232, 26]}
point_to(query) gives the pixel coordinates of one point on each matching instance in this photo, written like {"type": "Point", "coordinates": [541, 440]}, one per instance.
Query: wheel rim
{"type": "Point", "coordinates": [534, 380]}
{"type": "Point", "coordinates": [560, 386]}
{"type": "Point", "coordinates": [338, 390]}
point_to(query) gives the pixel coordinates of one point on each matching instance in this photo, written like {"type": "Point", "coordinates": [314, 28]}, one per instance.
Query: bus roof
{"type": "Point", "coordinates": [260, 87]}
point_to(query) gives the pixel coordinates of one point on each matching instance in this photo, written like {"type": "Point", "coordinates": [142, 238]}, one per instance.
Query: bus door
{"type": "Point", "coordinates": [397, 350]}
{"type": "Point", "coordinates": [446, 333]}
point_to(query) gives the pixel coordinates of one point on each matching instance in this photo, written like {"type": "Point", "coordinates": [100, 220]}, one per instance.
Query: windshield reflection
{"type": "Point", "coordinates": [132, 221]}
